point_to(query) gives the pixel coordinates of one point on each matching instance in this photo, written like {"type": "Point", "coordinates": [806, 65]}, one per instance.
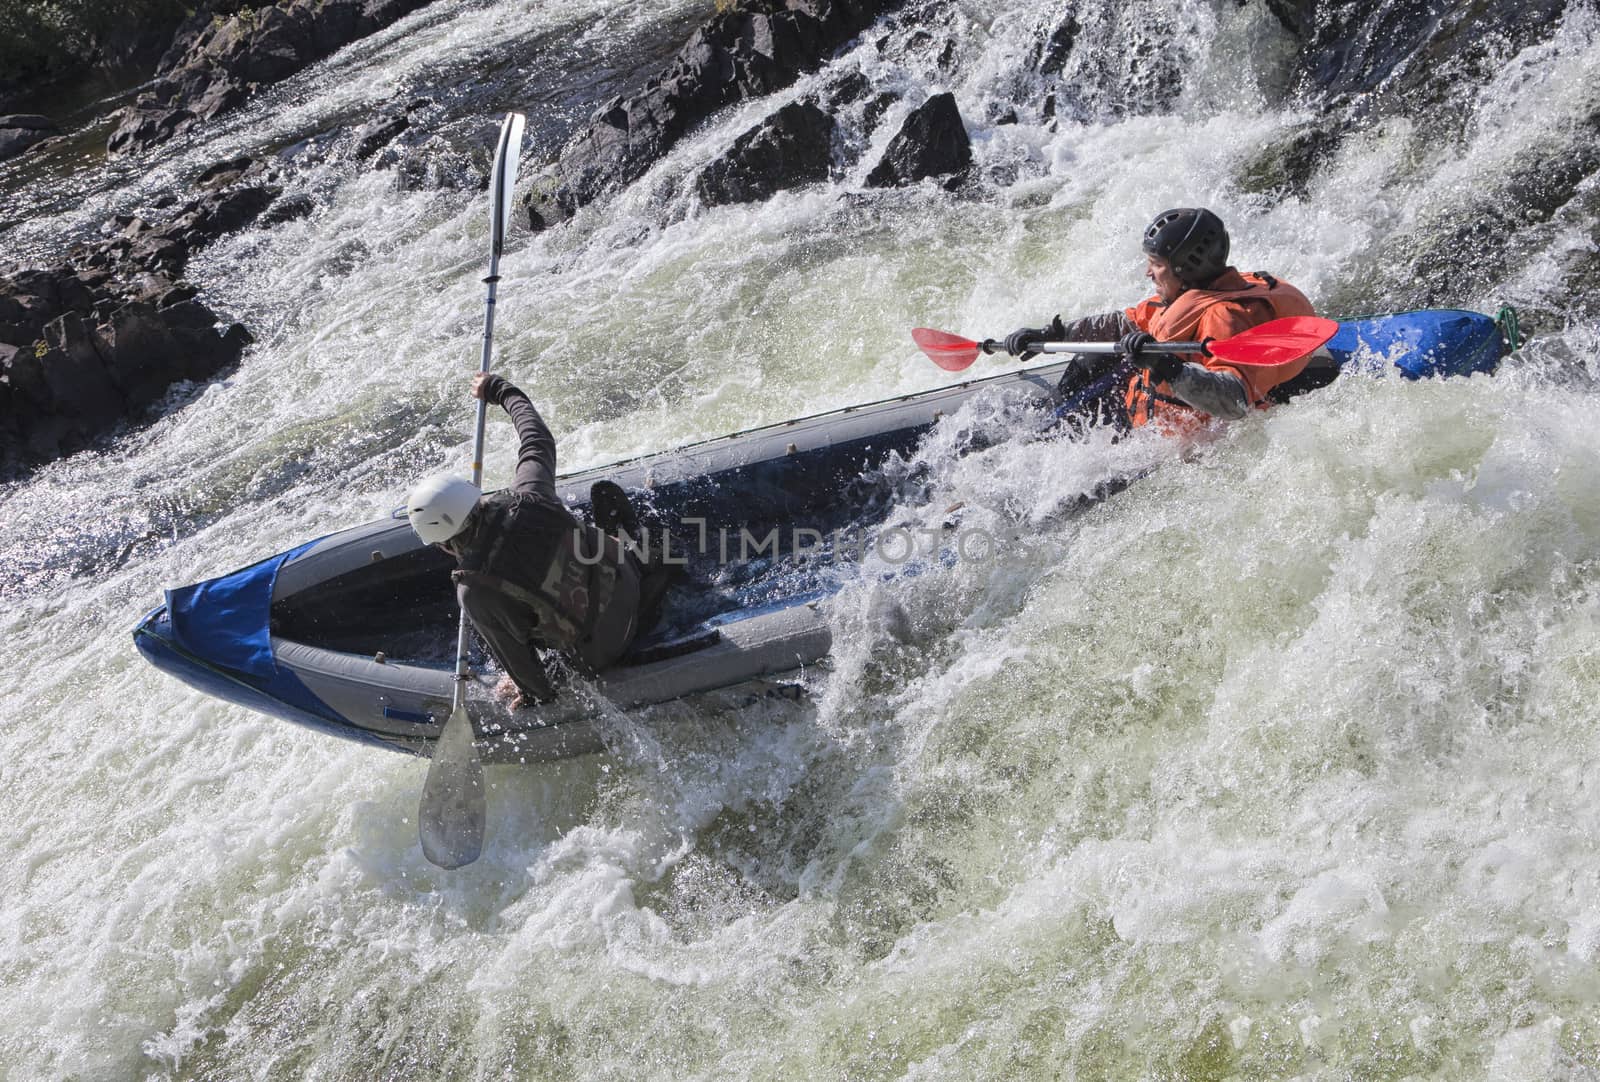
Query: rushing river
{"type": "Point", "coordinates": [1283, 762]}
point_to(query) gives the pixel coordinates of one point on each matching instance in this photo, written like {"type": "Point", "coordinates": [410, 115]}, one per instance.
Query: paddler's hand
{"type": "Point", "coordinates": [1133, 344]}
{"type": "Point", "coordinates": [1020, 343]}
{"type": "Point", "coordinates": [478, 383]}
{"type": "Point", "coordinates": [1163, 367]}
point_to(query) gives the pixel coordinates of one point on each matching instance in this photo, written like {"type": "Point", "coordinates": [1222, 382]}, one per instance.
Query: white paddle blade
{"type": "Point", "coordinates": [504, 177]}
{"type": "Point", "coordinates": [452, 815]}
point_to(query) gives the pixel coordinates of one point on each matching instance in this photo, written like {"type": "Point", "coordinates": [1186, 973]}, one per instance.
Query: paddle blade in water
{"type": "Point", "coordinates": [949, 351]}
{"type": "Point", "coordinates": [452, 815]}
{"type": "Point", "coordinates": [1276, 343]}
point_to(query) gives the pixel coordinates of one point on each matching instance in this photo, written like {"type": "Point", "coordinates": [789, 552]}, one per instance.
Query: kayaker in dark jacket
{"type": "Point", "coordinates": [1198, 296]}
{"type": "Point", "coordinates": [532, 577]}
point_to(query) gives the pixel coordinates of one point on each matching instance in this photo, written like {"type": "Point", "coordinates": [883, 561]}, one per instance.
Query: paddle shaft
{"type": "Point", "coordinates": [991, 345]}
{"type": "Point", "coordinates": [493, 280]}
{"type": "Point", "coordinates": [505, 169]}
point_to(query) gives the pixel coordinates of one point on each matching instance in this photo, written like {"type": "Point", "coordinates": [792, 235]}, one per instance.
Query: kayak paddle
{"type": "Point", "coordinates": [1267, 346]}
{"type": "Point", "coordinates": [451, 819]}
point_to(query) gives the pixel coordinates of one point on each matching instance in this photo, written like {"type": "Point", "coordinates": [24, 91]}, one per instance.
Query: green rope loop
{"type": "Point", "coordinates": [1506, 320]}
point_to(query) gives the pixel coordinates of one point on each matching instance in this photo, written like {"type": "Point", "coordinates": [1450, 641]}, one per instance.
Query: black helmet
{"type": "Point", "coordinates": [1193, 240]}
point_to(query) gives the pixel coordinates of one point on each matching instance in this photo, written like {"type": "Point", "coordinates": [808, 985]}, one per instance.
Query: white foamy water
{"type": "Point", "coordinates": [1278, 764]}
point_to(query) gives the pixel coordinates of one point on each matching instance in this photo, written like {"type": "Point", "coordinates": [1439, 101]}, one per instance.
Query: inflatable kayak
{"type": "Point", "coordinates": [353, 633]}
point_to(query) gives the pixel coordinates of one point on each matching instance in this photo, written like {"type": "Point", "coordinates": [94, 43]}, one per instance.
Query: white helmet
{"type": "Point", "coordinates": [438, 507]}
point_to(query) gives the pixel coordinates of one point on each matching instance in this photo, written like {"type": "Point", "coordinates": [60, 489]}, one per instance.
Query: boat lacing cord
{"type": "Point", "coordinates": [1506, 320]}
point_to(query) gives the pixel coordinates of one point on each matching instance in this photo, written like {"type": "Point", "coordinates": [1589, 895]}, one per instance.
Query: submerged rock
{"type": "Point", "coordinates": [1285, 166]}
{"type": "Point", "coordinates": [791, 147]}
{"type": "Point", "coordinates": [931, 142]}
{"type": "Point", "coordinates": [378, 133]}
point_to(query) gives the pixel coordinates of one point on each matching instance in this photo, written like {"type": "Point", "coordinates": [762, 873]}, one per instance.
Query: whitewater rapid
{"type": "Point", "coordinates": [1278, 764]}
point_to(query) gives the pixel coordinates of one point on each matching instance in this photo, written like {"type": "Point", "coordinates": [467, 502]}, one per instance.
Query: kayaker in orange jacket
{"type": "Point", "coordinates": [1198, 296]}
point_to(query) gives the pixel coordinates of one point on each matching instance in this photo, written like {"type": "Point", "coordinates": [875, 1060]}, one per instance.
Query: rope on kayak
{"type": "Point", "coordinates": [1506, 320]}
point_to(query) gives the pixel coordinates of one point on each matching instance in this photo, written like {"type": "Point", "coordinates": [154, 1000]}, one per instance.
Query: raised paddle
{"type": "Point", "coordinates": [451, 819]}
{"type": "Point", "coordinates": [1267, 346]}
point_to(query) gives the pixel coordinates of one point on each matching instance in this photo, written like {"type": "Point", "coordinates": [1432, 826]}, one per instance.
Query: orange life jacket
{"type": "Point", "coordinates": [1235, 303]}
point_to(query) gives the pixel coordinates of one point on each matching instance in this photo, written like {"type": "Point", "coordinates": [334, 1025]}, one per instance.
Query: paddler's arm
{"type": "Point", "coordinates": [1084, 368]}
{"type": "Point", "coordinates": [536, 447]}
{"type": "Point", "coordinates": [498, 626]}
{"type": "Point", "coordinates": [1209, 385]}
{"type": "Point", "coordinates": [1216, 391]}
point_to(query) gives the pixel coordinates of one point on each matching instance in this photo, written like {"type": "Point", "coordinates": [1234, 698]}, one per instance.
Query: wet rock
{"type": "Point", "coordinates": [80, 357]}
{"type": "Point", "coordinates": [434, 165]}
{"type": "Point", "coordinates": [224, 173]}
{"type": "Point", "coordinates": [20, 131]}
{"type": "Point", "coordinates": [931, 142]}
{"type": "Point", "coordinates": [1057, 45]}
{"type": "Point", "coordinates": [791, 147]}
{"type": "Point", "coordinates": [745, 50]}
{"type": "Point", "coordinates": [378, 133]}
{"type": "Point", "coordinates": [219, 58]}
{"type": "Point", "coordinates": [287, 209]}
{"type": "Point", "coordinates": [850, 87]}
{"type": "Point", "coordinates": [1285, 167]}
{"type": "Point", "coordinates": [76, 374]}
{"type": "Point", "coordinates": [1382, 57]}
{"type": "Point", "coordinates": [95, 341]}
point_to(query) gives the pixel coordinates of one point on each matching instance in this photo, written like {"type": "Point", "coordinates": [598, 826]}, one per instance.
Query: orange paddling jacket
{"type": "Point", "coordinates": [1233, 303]}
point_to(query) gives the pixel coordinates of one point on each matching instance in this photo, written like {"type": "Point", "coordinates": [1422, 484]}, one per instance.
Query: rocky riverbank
{"type": "Point", "coordinates": [216, 60]}
{"type": "Point", "coordinates": [97, 339]}
{"type": "Point", "coordinates": [93, 340]}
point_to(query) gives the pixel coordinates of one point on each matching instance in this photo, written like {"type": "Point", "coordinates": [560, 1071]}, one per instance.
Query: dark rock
{"type": "Point", "coordinates": [851, 87]}
{"type": "Point", "coordinates": [1285, 167]}
{"type": "Point", "coordinates": [745, 50]}
{"type": "Point", "coordinates": [434, 165]}
{"type": "Point", "coordinates": [30, 394]}
{"type": "Point", "coordinates": [287, 210]}
{"type": "Point", "coordinates": [76, 374]}
{"type": "Point", "coordinates": [99, 339]}
{"type": "Point", "coordinates": [377, 133]}
{"type": "Point", "coordinates": [791, 147]}
{"type": "Point", "coordinates": [117, 223]}
{"type": "Point", "coordinates": [216, 63]}
{"type": "Point", "coordinates": [1058, 45]}
{"type": "Point", "coordinates": [932, 142]}
{"type": "Point", "coordinates": [1408, 56]}
{"type": "Point", "coordinates": [875, 110]}
{"type": "Point", "coordinates": [20, 131]}
{"type": "Point", "coordinates": [223, 173]}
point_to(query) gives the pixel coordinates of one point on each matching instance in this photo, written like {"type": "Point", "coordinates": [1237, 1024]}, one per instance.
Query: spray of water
{"type": "Point", "coordinates": [1277, 762]}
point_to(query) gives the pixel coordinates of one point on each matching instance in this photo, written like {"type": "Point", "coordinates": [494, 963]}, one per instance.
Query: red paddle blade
{"type": "Point", "coordinates": [949, 351]}
{"type": "Point", "coordinates": [1276, 343]}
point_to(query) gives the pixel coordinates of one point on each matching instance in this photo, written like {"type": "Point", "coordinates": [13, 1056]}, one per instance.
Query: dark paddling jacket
{"type": "Point", "coordinates": [533, 577]}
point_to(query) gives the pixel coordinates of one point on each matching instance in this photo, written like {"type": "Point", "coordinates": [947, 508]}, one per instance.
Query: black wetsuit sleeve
{"type": "Point", "coordinates": [536, 447]}
{"type": "Point", "coordinates": [498, 623]}
{"type": "Point", "coordinates": [1084, 368]}
{"type": "Point", "coordinates": [1103, 327]}
{"type": "Point", "coordinates": [1209, 390]}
